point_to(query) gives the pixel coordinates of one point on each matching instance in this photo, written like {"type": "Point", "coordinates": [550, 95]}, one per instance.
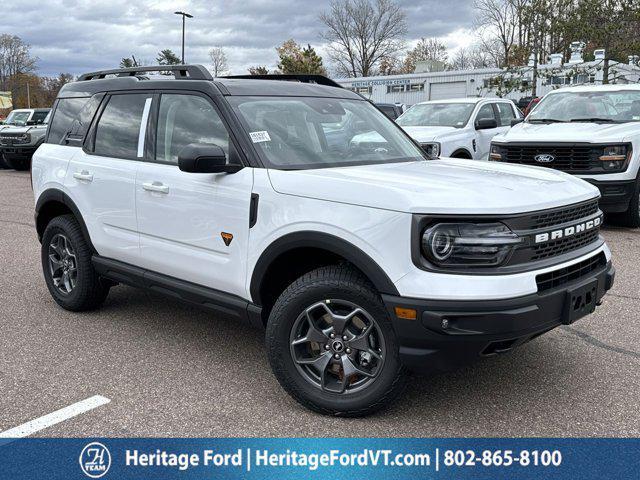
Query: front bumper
{"type": "Point", "coordinates": [616, 195]}
{"type": "Point", "coordinates": [451, 334]}
{"type": "Point", "coordinates": [18, 152]}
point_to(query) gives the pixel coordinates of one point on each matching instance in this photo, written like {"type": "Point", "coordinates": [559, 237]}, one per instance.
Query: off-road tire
{"type": "Point", "coordinates": [89, 291]}
{"type": "Point", "coordinates": [347, 284]}
{"type": "Point", "coordinates": [18, 164]}
{"type": "Point", "coordinates": [631, 218]}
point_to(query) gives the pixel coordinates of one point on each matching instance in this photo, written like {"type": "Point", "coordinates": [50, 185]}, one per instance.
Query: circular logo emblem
{"type": "Point", "coordinates": [544, 158]}
{"type": "Point", "coordinates": [95, 460]}
{"type": "Point", "coordinates": [337, 346]}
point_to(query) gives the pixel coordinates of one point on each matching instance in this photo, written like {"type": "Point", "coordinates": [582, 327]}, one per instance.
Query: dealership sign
{"type": "Point", "coordinates": [368, 83]}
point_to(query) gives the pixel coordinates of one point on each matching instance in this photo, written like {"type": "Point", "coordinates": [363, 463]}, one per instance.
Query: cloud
{"type": "Point", "coordinates": [80, 35]}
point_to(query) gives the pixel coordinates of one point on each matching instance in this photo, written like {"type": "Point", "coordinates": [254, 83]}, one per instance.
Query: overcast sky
{"type": "Point", "coordinates": [82, 35]}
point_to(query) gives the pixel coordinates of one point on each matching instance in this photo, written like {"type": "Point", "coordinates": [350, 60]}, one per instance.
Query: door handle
{"type": "Point", "coordinates": [157, 187]}
{"type": "Point", "coordinates": [84, 176]}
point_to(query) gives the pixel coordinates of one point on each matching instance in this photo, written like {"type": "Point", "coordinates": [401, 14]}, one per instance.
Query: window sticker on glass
{"type": "Point", "coordinates": [257, 137]}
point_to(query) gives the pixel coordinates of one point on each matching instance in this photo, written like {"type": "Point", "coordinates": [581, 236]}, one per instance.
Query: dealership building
{"type": "Point", "coordinates": [432, 82]}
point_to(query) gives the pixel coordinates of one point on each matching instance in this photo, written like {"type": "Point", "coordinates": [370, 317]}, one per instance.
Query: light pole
{"type": "Point", "coordinates": [184, 15]}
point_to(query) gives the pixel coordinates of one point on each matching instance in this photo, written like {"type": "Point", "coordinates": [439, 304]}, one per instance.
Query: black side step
{"type": "Point", "coordinates": [204, 297]}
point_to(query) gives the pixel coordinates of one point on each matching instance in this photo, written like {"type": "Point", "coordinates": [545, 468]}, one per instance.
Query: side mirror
{"type": "Point", "coordinates": [516, 121]}
{"type": "Point", "coordinates": [486, 123]}
{"type": "Point", "coordinates": [32, 122]}
{"type": "Point", "coordinates": [205, 158]}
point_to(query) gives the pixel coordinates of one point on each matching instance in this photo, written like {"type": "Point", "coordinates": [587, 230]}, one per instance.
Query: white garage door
{"type": "Point", "coordinates": [440, 91]}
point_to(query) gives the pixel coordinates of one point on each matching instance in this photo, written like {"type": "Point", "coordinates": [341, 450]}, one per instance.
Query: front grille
{"type": "Point", "coordinates": [14, 138]}
{"type": "Point", "coordinates": [562, 276]}
{"type": "Point", "coordinates": [565, 215]}
{"type": "Point", "coordinates": [564, 245]}
{"type": "Point", "coordinates": [547, 221]}
{"type": "Point", "coordinates": [567, 158]}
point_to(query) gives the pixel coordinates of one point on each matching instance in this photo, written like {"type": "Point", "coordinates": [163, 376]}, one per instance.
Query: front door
{"type": "Point", "coordinates": [484, 137]}
{"type": "Point", "coordinates": [193, 226]}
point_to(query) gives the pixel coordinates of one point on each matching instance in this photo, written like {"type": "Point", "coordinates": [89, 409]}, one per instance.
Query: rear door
{"type": "Point", "coordinates": [184, 218]}
{"type": "Point", "coordinates": [101, 177]}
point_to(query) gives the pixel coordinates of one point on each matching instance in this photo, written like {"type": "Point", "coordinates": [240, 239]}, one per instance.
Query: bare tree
{"type": "Point", "coordinates": [15, 58]}
{"type": "Point", "coordinates": [497, 22]}
{"type": "Point", "coordinates": [426, 49]}
{"type": "Point", "coordinates": [218, 61]}
{"type": "Point", "coordinates": [468, 58]}
{"type": "Point", "coordinates": [361, 33]}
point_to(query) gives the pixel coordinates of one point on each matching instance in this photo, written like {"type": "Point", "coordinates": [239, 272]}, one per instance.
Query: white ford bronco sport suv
{"type": "Point", "coordinates": [458, 128]}
{"type": "Point", "coordinates": [592, 132]}
{"type": "Point", "coordinates": [245, 196]}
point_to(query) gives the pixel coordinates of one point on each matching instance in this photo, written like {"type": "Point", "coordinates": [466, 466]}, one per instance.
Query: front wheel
{"type": "Point", "coordinates": [631, 218]}
{"type": "Point", "coordinates": [331, 344]}
{"type": "Point", "coordinates": [18, 164]}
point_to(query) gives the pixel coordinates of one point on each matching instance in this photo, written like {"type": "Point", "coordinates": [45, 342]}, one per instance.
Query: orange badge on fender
{"type": "Point", "coordinates": [226, 238]}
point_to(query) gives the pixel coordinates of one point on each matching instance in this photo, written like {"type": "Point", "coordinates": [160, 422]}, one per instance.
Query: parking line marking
{"type": "Point", "coordinates": [54, 418]}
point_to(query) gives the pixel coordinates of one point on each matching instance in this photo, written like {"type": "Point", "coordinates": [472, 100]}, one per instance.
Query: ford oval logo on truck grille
{"type": "Point", "coordinates": [544, 158]}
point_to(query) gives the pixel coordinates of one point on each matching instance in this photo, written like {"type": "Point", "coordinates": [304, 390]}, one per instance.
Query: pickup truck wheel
{"type": "Point", "coordinates": [631, 218]}
{"type": "Point", "coordinates": [68, 271]}
{"type": "Point", "coordinates": [3, 163]}
{"type": "Point", "coordinates": [331, 344]}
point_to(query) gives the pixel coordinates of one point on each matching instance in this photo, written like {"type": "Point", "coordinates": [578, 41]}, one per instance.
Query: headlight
{"type": "Point", "coordinates": [432, 149]}
{"type": "Point", "coordinates": [468, 244]}
{"type": "Point", "coordinates": [615, 157]}
{"type": "Point", "coordinates": [496, 153]}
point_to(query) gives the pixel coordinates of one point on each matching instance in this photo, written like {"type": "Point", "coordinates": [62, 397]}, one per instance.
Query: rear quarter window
{"type": "Point", "coordinates": [72, 118]}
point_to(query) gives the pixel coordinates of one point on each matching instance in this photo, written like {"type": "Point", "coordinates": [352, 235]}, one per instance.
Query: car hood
{"type": "Point", "coordinates": [26, 129]}
{"type": "Point", "coordinates": [449, 186]}
{"type": "Point", "coordinates": [569, 132]}
{"type": "Point", "coordinates": [428, 134]}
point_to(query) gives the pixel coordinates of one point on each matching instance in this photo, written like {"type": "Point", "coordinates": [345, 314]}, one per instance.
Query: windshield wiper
{"type": "Point", "coordinates": [545, 120]}
{"type": "Point", "coordinates": [593, 120]}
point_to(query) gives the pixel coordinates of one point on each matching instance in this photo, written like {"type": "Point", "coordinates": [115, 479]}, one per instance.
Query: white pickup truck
{"type": "Point", "coordinates": [459, 128]}
{"type": "Point", "coordinates": [592, 132]}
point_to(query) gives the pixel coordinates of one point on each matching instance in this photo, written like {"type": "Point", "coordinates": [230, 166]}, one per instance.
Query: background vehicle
{"type": "Point", "coordinates": [391, 110]}
{"type": "Point", "coordinates": [359, 259]}
{"type": "Point", "coordinates": [18, 143]}
{"type": "Point", "coordinates": [458, 128]}
{"type": "Point", "coordinates": [532, 104]}
{"type": "Point", "coordinates": [592, 132]}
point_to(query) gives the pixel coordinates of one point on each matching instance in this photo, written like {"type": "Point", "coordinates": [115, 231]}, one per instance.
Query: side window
{"type": "Point", "coordinates": [505, 114]}
{"type": "Point", "coordinates": [119, 127]}
{"type": "Point", "coordinates": [81, 124]}
{"type": "Point", "coordinates": [185, 119]}
{"type": "Point", "coordinates": [39, 117]}
{"type": "Point", "coordinates": [64, 115]}
{"type": "Point", "coordinates": [486, 111]}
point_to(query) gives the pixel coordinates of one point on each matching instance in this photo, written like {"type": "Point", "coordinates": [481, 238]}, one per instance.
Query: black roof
{"type": "Point", "coordinates": [196, 77]}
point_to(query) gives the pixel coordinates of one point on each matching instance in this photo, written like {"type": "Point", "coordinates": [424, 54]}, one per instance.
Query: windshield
{"type": "Point", "coordinates": [437, 114]}
{"type": "Point", "coordinates": [308, 132]}
{"type": "Point", "coordinates": [606, 107]}
{"type": "Point", "coordinates": [17, 118]}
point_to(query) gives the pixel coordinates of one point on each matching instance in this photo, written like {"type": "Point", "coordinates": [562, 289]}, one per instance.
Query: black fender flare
{"type": "Point", "coordinates": [325, 241]}
{"type": "Point", "coordinates": [55, 195]}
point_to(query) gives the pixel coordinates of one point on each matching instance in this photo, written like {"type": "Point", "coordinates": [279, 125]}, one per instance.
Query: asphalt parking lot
{"type": "Point", "coordinates": [172, 370]}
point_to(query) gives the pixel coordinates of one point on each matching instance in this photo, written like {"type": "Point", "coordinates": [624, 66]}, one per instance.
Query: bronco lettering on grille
{"type": "Point", "coordinates": [569, 231]}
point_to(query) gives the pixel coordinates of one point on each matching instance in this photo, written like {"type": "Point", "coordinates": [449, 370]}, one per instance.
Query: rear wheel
{"type": "Point", "coordinates": [331, 344]}
{"type": "Point", "coordinates": [66, 264]}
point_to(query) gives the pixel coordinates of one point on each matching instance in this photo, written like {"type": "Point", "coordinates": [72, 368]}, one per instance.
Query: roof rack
{"type": "Point", "coordinates": [180, 72]}
{"type": "Point", "coordinates": [301, 77]}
